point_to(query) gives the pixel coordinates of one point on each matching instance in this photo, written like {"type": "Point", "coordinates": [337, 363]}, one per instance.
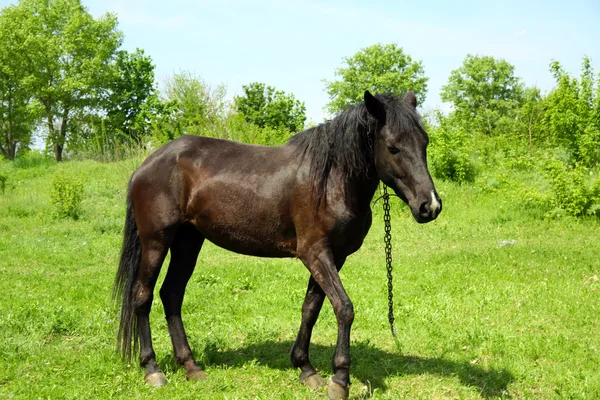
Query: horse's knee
{"type": "Point", "coordinates": [345, 314]}
{"type": "Point", "coordinates": [298, 357]}
{"type": "Point", "coordinates": [142, 300]}
{"type": "Point", "coordinates": [341, 360]}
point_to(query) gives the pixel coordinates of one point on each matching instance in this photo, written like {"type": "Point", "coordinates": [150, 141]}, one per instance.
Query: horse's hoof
{"type": "Point", "coordinates": [196, 375]}
{"type": "Point", "coordinates": [156, 379]}
{"type": "Point", "coordinates": [335, 391]}
{"type": "Point", "coordinates": [314, 381]}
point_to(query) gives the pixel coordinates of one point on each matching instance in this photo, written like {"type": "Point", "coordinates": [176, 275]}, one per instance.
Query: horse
{"type": "Point", "coordinates": [308, 198]}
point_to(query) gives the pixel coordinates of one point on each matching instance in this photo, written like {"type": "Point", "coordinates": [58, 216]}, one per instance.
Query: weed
{"type": "Point", "coordinates": [67, 194]}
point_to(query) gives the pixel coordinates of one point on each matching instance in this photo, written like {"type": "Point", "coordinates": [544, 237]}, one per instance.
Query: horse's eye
{"type": "Point", "coordinates": [393, 150]}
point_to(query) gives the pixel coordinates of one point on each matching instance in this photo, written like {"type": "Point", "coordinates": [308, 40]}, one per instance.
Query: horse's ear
{"type": "Point", "coordinates": [411, 99]}
{"type": "Point", "coordinates": [374, 106]}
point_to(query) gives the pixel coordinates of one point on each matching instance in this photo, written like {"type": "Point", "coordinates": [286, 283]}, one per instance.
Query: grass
{"type": "Point", "coordinates": [492, 301]}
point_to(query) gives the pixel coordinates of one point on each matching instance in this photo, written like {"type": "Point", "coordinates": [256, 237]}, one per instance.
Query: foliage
{"type": "Point", "coordinates": [199, 109]}
{"type": "Point", "coordinates": [530, 117]}
{"type": "Point", "coordinates": [266, 107]}
{"type": "Point", "coordinates": [572, 118]}
{"type": "Point", "coordinates": [192, 107]}
{"type": "Point", "coordinates": [484, 93]}
{"type": "Point", "coordinates": [379, 69]}
{"type": "Point", "coordinates": [571, 189]}
{"type": "Point", "coordinates": [18, 113]}
{"type": "Point", "coordinates": [239, 129]}
{"type": "Point", "coordinates": [450, 151]}
{"type": "Point", "coordinates": [131, 91]}
{"type": "Point", "coordinates": [67, 194]}
{"type": "Point", "coordinates": [130, 114]}
{"type": "Point", "coordinates": [33, 159]}
{"type": "Point", "coordinates": [68, 58]}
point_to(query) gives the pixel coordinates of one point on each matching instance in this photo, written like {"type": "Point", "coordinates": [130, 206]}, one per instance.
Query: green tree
{"type": "Point", "coordinates": [572, 118]}
{"type": "Point", "coordinates": [18, 113]}
{"type": "Point", "coordinates": [266, 107]}
{"type": "Point", "coordinates": [483, 92]}
{"type": "Point", "coordinates": [380, 69]}
{"type": "Point", "coordinates": [530, 116]}
{"type": "Point", "coordinates": [200, 110]}
{"type": "Point", "coordinates": [68, 60]}
{"type": "Point", "coordinates": [129, 93]}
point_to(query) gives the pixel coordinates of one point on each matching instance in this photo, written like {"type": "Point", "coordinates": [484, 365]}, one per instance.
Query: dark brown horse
{"type": "Point", "coordinates": [309, 198]}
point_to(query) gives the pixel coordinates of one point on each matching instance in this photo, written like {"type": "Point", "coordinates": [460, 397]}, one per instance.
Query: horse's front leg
{"type": "Point", "coordinates": [311, 308]}
{"type": "Point", "coordinates": [321, 264]}
{"type": "Point", "coordinates": [299, 354]}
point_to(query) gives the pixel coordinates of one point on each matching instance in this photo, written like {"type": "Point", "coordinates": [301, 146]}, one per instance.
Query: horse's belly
{"type": "Point", "coordinates": [251, 229]}
{"type": "Point", "coordinates": [249, 242]}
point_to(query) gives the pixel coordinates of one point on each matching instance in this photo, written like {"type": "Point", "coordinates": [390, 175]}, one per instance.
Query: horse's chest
{"type": "Point", "coordinates": [350, 230]}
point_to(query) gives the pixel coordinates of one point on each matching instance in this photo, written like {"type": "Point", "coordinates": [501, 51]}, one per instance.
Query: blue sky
{"type": "Point", "coordinates": [294, 45]}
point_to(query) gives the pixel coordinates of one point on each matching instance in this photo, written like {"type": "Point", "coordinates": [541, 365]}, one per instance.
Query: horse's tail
{"type": "Point", "coordinates": [131, 255]}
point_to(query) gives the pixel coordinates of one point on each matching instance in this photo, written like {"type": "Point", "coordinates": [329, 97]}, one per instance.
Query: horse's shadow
{"type": "Point", "coordinates": [370, 364]}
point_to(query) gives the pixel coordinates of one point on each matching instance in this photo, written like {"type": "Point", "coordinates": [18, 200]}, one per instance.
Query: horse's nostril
{"type": "Point", "coordinates": [424, 209]}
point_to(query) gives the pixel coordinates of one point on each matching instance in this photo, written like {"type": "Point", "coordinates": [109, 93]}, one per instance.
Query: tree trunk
{"type": "Point", "coordinates": [58, 152]}
{"type": "Point", "coordinates": [8, 149]}
{"type": "Point", "coordinates": [51, 132]}
{"type": "Point", "coordinates": [12, 151]}
{"type": "Point", "coordinates": [3, 151]}
{"type": "Point", "coordinates": [62, 135]}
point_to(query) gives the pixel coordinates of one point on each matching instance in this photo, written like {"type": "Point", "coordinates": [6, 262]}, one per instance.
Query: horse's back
{"type": "Point", "coordinates": [238, 196]}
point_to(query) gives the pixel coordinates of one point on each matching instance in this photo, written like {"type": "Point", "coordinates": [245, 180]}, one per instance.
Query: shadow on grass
{"type": "Point", "coordinates": [370, 364]}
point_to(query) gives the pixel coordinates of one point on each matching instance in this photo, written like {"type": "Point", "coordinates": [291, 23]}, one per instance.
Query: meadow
{"type": "Point", "coordinates": [494, 299]}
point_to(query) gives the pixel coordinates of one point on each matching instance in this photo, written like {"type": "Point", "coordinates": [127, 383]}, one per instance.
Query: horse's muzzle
{"type": "Point", "coordinates": [428, 210]}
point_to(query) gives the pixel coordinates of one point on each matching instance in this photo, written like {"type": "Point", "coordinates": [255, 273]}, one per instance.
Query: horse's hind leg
{"type": "Point", "coordinates": [184, 253]}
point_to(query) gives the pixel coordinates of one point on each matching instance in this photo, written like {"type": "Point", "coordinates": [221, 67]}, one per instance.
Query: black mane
{"type": "Point", "coordinates": [345, 143]}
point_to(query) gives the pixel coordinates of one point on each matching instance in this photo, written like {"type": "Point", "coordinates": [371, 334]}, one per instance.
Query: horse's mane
{"type": "Point", "coordinates": [345, 143]}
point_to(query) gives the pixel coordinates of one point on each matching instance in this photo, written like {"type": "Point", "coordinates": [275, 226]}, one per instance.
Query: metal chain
{"type": "Point", "coordinates": [388, 257]}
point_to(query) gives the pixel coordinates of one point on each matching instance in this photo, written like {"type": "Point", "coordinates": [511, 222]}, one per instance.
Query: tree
{"type": "Point", "coordinates": [68, 60]}
{"type": "Point", "coordinates": [530, 115]}
{"type": "Point", "coordinates": [379, 69]}
{"type": "Point", "coordinates": [18, 113]}
{"type": "Point", "coordinates": [199, 108]}
{"type": "Point", "coordinates": [264, 106]}
{"type": "Point", "coordinates": [572, 117]}
{"type": "Point", "coordinates": [483, 91]}
{"type": "Point", "coordinates": [129, 91]}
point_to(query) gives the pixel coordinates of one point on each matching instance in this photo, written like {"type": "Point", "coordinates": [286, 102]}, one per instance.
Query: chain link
{"type": "Point", "coordinates": [388, 257]}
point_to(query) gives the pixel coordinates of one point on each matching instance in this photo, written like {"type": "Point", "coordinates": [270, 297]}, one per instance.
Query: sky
{"type": "Point", "coordinates": [295, 45]}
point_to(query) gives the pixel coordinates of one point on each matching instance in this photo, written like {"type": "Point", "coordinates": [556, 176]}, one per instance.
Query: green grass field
{"type": "Point", "coordinates": [492, 301]}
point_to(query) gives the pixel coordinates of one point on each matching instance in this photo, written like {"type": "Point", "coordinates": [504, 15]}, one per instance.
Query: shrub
{"type": "Point", "coordinates": [451, 155]}
{"type": "Point", "coordinates": [571, 190]}
{"type": "Point", "coordinates": [33, 159]}
{"type": "Point", "coordinates": [66, 195]}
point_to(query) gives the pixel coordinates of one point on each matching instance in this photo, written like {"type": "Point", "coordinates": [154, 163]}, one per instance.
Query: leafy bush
{"type": "Point", "coordinates": [66, 195]}
{"type": "Point", "coordinates": [240, 130]}
{"type": "Point", "coordinates": [266, 107]}
{"type": "Point", "coordinates": [32, 159]}
{"type": "Point", "coordinates": [572, 117]}
{"type": "Point", "coordinates": [450, 154]}
{"type": "Point", "coordinates": [571, 189]}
